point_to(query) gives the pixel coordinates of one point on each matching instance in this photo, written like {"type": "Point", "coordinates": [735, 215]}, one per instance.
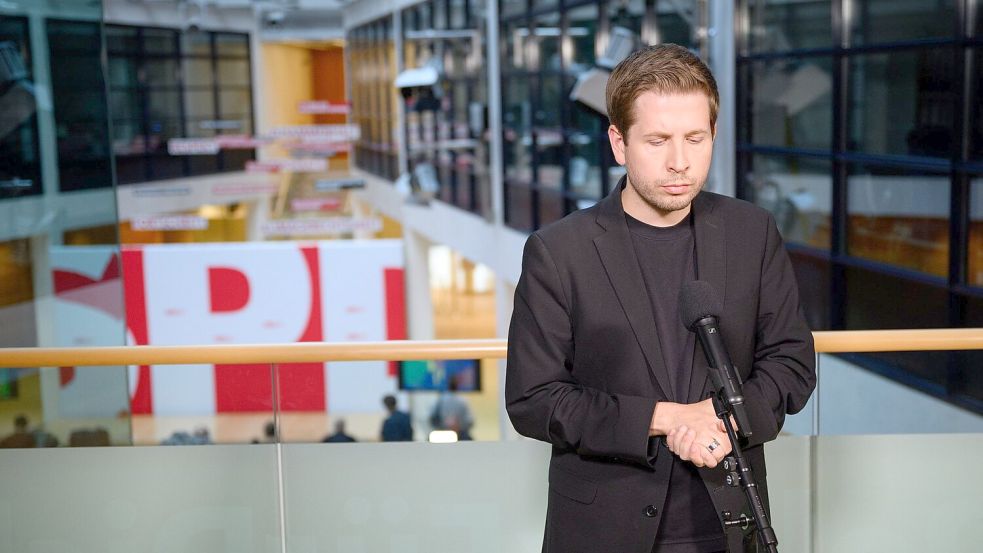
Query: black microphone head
{"type": "Point", "coordinates": [698, 300]}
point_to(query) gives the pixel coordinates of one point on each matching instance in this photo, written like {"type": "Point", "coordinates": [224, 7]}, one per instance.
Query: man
{"type": "Point", "coordinates": [452, 413]}
{"type": "Point", "coordinates": [339, 436]}
{"type": "Point", "coordinates": [599, 363]}
{"type": "Point", "coordinates": [21, 437]}
{"type": "Point", "coordinates": [396, 427]}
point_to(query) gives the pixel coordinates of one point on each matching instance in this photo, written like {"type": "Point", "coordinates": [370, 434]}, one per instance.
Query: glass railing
{"type": "Point", "coordinates": [869, 465]}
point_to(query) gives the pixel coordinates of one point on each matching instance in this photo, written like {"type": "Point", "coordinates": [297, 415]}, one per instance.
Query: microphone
{"type": "Point", "coordinates": [699, 309]}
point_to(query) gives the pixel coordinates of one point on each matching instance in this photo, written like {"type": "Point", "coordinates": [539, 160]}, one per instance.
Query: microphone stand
{"type": "Point", "coordinates": [739, 473]}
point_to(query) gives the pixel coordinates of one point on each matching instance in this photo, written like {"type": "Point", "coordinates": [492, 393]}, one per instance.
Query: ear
{"type": "Point", "coordinates": [618, 144]}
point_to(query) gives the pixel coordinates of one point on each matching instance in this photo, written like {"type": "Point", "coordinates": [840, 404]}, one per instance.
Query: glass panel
{"type": "Point", "coordinates": [123, 72]}
{"type": "Point", "coordinates": [200, 103]}
{"type": "Point", "coordinates": [163, 104]}
{"type": "Point", "coordinates": [673, 27]}
{"type": "Point", "coordinates": [518, 206]}
{"type": "Point", "coordinates": [235, 102]}
{"type": "Point", "coordinates": [161, 72]}
{"type": "Point", "coordinates": [79, 99]}
{"type": "Point", "coordinates": [122, 40]}
{"type": "Point", "coordinates": [546, 45]}
{"type": "Point", "coordinates": [515, 40]}
{"type": "Point", "coordinates": [60, 266]}
{"type": "Point", "coordinates": [196, 44]}
{"type": "Point", "coordinates": [517, 122]}
{"type": "Point", "coordinates": [627, 14]}
{"type": "Point", "coordinates": [897, 20]}
{"type": "Point", "coordinates": [902, 102]}
{"type": "Point", "coordinates": [159, 41]}
{"type": "Point", "coordinates": [232, 45]}
{"type": "Point", "coordinates": [581, 30]}
{"type": "Point", "coordinates": [976, 108]}
{"type": "Point", "coordinates": [508, 8]}
{"type": "Point", "coordinates": [198, 72]}
{"type": "Point", "coordinates": [233, 72]}
{"type": "Point", "coordinates": [970, 377]}
{"type": "Point", "coordinates": [583, 166]}
{"type": "Point", "coordinates": [20, 164]}
{"type": "Point", "coordinates": [798, 191]}
{"type": "Point", "coordinates": [899, 218]}
{"type": "Point", "coordinates": [779, 25]}
{"type": "Point", "coordinates": [792, 103]}
{"type": "Point", "coordinates": [125, 105]}
{"type": "Point", "coordinates": [975, 276]}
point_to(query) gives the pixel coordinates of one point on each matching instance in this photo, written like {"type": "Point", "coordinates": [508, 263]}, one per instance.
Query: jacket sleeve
{"type": "Point", "coordinates": [783, 374]}
{"type": "Point", "coordinates": [543, 399]}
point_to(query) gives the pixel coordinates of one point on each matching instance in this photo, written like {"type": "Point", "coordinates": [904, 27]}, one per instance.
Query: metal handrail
{"type": "Point", "coordinates": [842, 341]}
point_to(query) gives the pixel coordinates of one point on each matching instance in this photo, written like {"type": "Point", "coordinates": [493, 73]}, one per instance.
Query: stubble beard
{"type": "Point", "coordinates": [648, 190]}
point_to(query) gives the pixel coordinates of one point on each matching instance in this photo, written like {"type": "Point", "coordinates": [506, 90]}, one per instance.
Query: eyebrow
{"type": "Point", "coordinates": [657, 134]}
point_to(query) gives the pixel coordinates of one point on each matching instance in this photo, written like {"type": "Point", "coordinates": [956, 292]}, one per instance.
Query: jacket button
{"type": "Point", "coordinates": [651, 511]}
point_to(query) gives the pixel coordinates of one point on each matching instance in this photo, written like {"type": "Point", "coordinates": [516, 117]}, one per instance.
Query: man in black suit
{"type": "Point", "coordinates": [601, 367]}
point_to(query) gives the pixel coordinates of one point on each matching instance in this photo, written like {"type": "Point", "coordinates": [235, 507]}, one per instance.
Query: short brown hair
{"type": "Point", "coordinates": [665, 69]}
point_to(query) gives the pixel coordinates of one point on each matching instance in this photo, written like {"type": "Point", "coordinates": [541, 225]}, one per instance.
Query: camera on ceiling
{"type": "Point", "coordinates": [274, 18]}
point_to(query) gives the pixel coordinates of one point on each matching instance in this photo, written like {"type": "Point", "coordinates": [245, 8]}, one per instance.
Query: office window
{"type": "Point", "coordinates": [167, 84]}
{"type": "Point", "coordinates": [976, 125]}
{"type": "Point", "coordinates": [878, 21]}
{"type": "Point", "coordinates": [792, 102]}
{"type": "Point", "coordinates": [20, 164]}
{"type": "Point", "coordinates": [889, 160]}
{"type": "Point", "coordinates": [797, 191]}
{"type": "Point", "coordinates": [899, 217]}
{"type": "Point", "coordinates": [779, 25]}
{"type": "Point", "coordinates": [371, 60]}
{"type": "Point", "coordinates": [975, 246]}
{"type": "Point", "coordinates": [79, 96]}
{"type": "Point", "coordinates": [902, 102]}
{"type": "Point", "coordinates": [510, 8]}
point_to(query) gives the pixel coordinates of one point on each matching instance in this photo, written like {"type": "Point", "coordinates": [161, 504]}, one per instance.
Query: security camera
{"type": "Point", "coordinates": [275, 18]}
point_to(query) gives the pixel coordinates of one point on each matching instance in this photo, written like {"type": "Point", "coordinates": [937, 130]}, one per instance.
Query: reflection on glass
{"type": "Point", "coordinates": [509, 8]}
{"type": "Point", "coordinates": [778, 25]}
{"type": "Point", "coordinates": [902, 102]}
{"type": "Point", "coordinates": [975, 276]}
{"type": "Point", "coordinates": [579, 51]}
{"type": "Point", "coordinates": [797, 191]}
{"type": "Point", "coordinates": [583, 166]}
{"type": "Point", "coordinates": [792, 103]}
{"type": "Point", "coordinates": [79, 98]}
{"type": "Point", "coordinates": [515, 40]}
{"type": "Point", "coordinates": [545, 48]}
{"type": "Point", "coordinates": [517, 129]}
{"type": "Point", "coordinates": [976, 127]}
{"type": "Point", "coordinates": [877, 21]}
{"type": "Point", "coordinates": [671, 26]}
{"type": "Point", "coordinates": [20, 165]}
{"type": "Point", "coordinates": [899, 219]}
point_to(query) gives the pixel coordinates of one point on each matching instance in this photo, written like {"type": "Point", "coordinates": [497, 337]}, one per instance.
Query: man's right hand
{"type": "Point", "coordinates": [692, 431]}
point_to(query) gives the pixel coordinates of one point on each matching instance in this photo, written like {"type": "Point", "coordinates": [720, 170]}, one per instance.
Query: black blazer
{"type": "Point", "coordinates": [585, 368]}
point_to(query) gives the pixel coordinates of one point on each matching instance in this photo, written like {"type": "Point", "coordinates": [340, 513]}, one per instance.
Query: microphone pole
{"type": "Point", "coordinates": [699, 306]}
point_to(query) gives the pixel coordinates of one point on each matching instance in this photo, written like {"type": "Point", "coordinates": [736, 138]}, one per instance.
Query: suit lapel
{"type": "Point", "coordinates": [621, 265]}
{"type": "Point", "coordinates": [711, 266]}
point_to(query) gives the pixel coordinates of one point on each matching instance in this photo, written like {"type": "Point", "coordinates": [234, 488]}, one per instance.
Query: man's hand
{"type": "Point", "coordinates": [693, 431]}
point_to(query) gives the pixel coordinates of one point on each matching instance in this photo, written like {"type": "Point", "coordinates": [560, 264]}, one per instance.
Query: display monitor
{"type": "Point", "coordinates": [460, 375]}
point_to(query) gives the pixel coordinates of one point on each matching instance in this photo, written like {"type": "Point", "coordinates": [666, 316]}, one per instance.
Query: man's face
{"type": "Point", "coordinates": [668, 149]}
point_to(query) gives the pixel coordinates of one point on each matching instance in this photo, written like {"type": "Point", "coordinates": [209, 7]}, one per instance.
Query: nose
{"type": "Point", "coordinates": [678, 162]}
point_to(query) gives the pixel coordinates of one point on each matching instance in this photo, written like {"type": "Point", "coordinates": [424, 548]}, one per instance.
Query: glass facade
{"type": "Point", "coordinates": [859, 128]}
{"type": "Point", "coordinates": [166, 84]}
{"type": "Point", "coordinates": [557, 156]}
{"type": "Point", "coordinates": [372, 63]}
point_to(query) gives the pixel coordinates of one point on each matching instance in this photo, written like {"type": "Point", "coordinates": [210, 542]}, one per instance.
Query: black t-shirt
{"type": "Point", "coordinates": [666, 258]}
